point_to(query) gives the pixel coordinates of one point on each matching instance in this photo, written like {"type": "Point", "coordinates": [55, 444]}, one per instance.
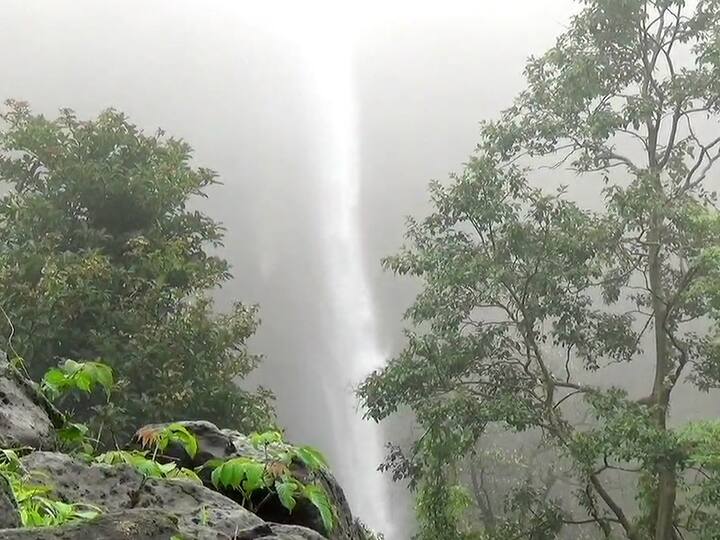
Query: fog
{"type": "Point", "coordinates": [234, 78]}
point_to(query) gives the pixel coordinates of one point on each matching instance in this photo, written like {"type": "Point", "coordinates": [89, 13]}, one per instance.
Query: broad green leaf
{"type": "Point", "coordinates": [177, 433]}
{"type": "Point", "coordinates": [287, 491]}
{"type": "Point", "coordinates": [318, 497]}
{"type": "Point", "coordinates": [254, 477]}
{"type": "Point", "coordinates": [312, 458]}
{"type": "Point", "coordinates": [71, 366]}
{"type": "Point", "coordinates": [265, 438]}
{"type": "Point", "coordinates": [186, 474]}
{"type": "Point", "coordinates": [103, 374]}
{"type": "Point", "coordinates": [82, 381]}
{"type": "Point", "coordinates": [166, 468]}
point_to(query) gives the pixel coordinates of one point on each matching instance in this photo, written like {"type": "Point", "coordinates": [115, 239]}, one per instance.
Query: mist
{"type": "Point", "coordinates": [236, 80]}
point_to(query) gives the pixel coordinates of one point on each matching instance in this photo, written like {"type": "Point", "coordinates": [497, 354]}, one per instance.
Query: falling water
{"type": "Point", "coordinates": [353, 341]}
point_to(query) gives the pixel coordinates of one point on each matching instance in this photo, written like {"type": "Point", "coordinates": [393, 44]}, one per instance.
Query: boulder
{"type": "Point", "coordinates": [196, 512]}
{"type": "Point", "coordinates": [9, 516]}
{"type": "Point", "coordinates": [137, 507]}
{"type": "Point", "coordinates": [217, 443]}
{"type": "Point", "coordinates": [151, 524]}
{"type": "Point", "coordinates": [24, 418]}
{"type": "Point", "coordinates": [122, 487]}
{"type": "Point", "coordinates": [126, 525]}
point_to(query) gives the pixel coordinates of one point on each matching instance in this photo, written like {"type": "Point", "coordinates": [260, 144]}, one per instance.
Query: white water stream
{"type": "Point", "coordinates": [353, 340]}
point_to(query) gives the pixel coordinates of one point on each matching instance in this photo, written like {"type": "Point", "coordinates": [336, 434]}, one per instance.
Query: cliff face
{"type": "Point", "coordinates": [124, 502]}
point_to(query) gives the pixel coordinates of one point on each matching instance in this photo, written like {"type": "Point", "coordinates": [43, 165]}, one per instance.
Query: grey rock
{"type": "Point", "coordinates": [9, 516]}
{"type": "Point", "coordinates": [125, 525]}
{"type": "Point", "coordinates": [23, 419]}
{"type": "Point", "coordinates": [274, 531]}
{"type": "Point", "coordinates": [214, 443]}
{"type": "Point", "coordinates": [267, 531]}
{"type": "Point", "coordinates": [119, 488]}
{"type": "Point", "coordinates": [293, 532]}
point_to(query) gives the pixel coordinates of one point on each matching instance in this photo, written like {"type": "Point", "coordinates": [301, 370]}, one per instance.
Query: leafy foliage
{"type": "Point", "coordinates": [100, 257]}
{"type": "Point", "coordinates": [311, 457]}
{"type": "Point", "coordinates": [529, 299]}
{"type": "Point", "coordinates": [36, 505]}
{"type": "Point", "coordinates": [148, 466]}
{"type": "Point", "coordinates": [81, 376]}
{"type": "Point", "coordinates": [273, 476]}
{"type": "Point", "coordinates": [173, 433]}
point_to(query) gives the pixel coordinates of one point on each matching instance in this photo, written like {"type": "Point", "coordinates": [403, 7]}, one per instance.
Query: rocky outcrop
{"type": "Point", "coordinates": [128, 525]}
{"type": "Point", "coordinates": [217, 443]}
{"type": "Point", "coordinates": [23, 419]}
{"type": "Point", "coordinates": [138, 507]}
{"type": "Point", "coordinates": [9, 516]}
{"type": "Point", "coordinates": [141, 508]}
{"type": "Point", "coordinates": [114, 488]}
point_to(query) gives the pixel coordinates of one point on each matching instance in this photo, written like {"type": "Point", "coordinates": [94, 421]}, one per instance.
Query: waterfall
{"type": "Point", "coordinates": [328, 60]}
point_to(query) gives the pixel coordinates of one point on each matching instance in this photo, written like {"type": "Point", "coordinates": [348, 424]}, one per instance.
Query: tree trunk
{"type": "Point", "coordinates": [664, 506]}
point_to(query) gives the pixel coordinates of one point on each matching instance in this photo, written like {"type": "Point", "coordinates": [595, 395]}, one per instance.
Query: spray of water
{"type": "Point", "coordinates": [359, 444]}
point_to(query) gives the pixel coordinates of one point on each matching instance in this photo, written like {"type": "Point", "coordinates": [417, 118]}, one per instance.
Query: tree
{"type": "Point", "coordinates": [529, 298]}
{"type": "Point", "coordinates": [100, 257]}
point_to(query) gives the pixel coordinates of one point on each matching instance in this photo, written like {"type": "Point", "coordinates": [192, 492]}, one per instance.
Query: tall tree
{"type": "Point", "coordinates": [100, 257]}
{"type": "Point", "coordinates": [529, 298]}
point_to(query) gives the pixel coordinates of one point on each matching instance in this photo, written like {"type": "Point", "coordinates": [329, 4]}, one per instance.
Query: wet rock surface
{"type": "Point", "coordinates": [9, 516]}
{"type": "Point", "coordinates": [217, 443]}
{"type": "Point", "coordinates": [128, 525]}
{"type": "Point", "coordinates": [23, 421]}
{"type": "Point", "coordinates": [133, 506]}
{"type": "Point", "coordinates": [121, 487]}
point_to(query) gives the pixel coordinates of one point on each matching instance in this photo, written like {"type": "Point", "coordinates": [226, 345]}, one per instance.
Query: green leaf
{"type": "Point", "coordinates": [312, 458]}
{"type": "Point", "coordinates": [215, 477]}
{"type": "Point", "coordinates": [186, 474]}
{"type": "Point", "coordinates": [318, 497]}
{"type": "Point", "coordinates": [82, 381]}
{"type": "Point", "coordinates": [230, 474]}
{"type": "Point", "coordinates": [73, 434]}
{"type": "Point", "coordinates": [254, 477]}
{"type": "Point", "coordinates": [177, 433]}
{"type": "Point", "coordinates": [82, 376]}
{"type": "Point", "coordinates": [71, 366]}
{"type": "Point", "coordinates": [268, 437]}
{"type": "Point", "coordinates": [166, 468]}
{"type": "Point", "coordinates": [54, 382]}
{"type": "Point", "coordinates": [102, 374]}
{"type": "Point", "coordinates": [287, 490]}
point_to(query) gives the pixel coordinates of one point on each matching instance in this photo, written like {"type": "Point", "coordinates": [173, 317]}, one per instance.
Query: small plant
{"type": "Point", "coordinates": [148, 466]}
{"type": "Point", "coordinates": [274, 477]}
{"type": "Point", "coordinates": [80, 376]}
{"type": "Point", "coordinates": [73, 377]}
{"type": "Point", "coordinates": [36, 506]}
{"type": "Point", "coordinates": [270, 476]}
{"type": "Point", "coordinates": [162, 438]}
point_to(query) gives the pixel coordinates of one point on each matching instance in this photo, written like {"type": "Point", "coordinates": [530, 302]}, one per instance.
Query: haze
{"type": "Point", "coordinates": [240, 82]}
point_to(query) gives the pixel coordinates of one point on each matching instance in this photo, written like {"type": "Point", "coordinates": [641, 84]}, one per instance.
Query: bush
{"type": "Point", "coordinates": [100, 258]}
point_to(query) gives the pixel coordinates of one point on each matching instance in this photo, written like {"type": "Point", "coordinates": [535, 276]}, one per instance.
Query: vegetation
{"type": "Point", "coordinates": [103, 275]}
{"type": "Point", "coordinates": [273, 476]}
{"type": "Point", "coordinates": [36, 506]}
{"type": "Point", "coordinates": [530, 301]}
{"type": "Point", "coordinates": [100, 257]}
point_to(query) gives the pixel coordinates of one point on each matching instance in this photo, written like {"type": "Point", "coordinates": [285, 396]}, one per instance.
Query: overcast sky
{"type": "Point", "coordinates": [231, 78]}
